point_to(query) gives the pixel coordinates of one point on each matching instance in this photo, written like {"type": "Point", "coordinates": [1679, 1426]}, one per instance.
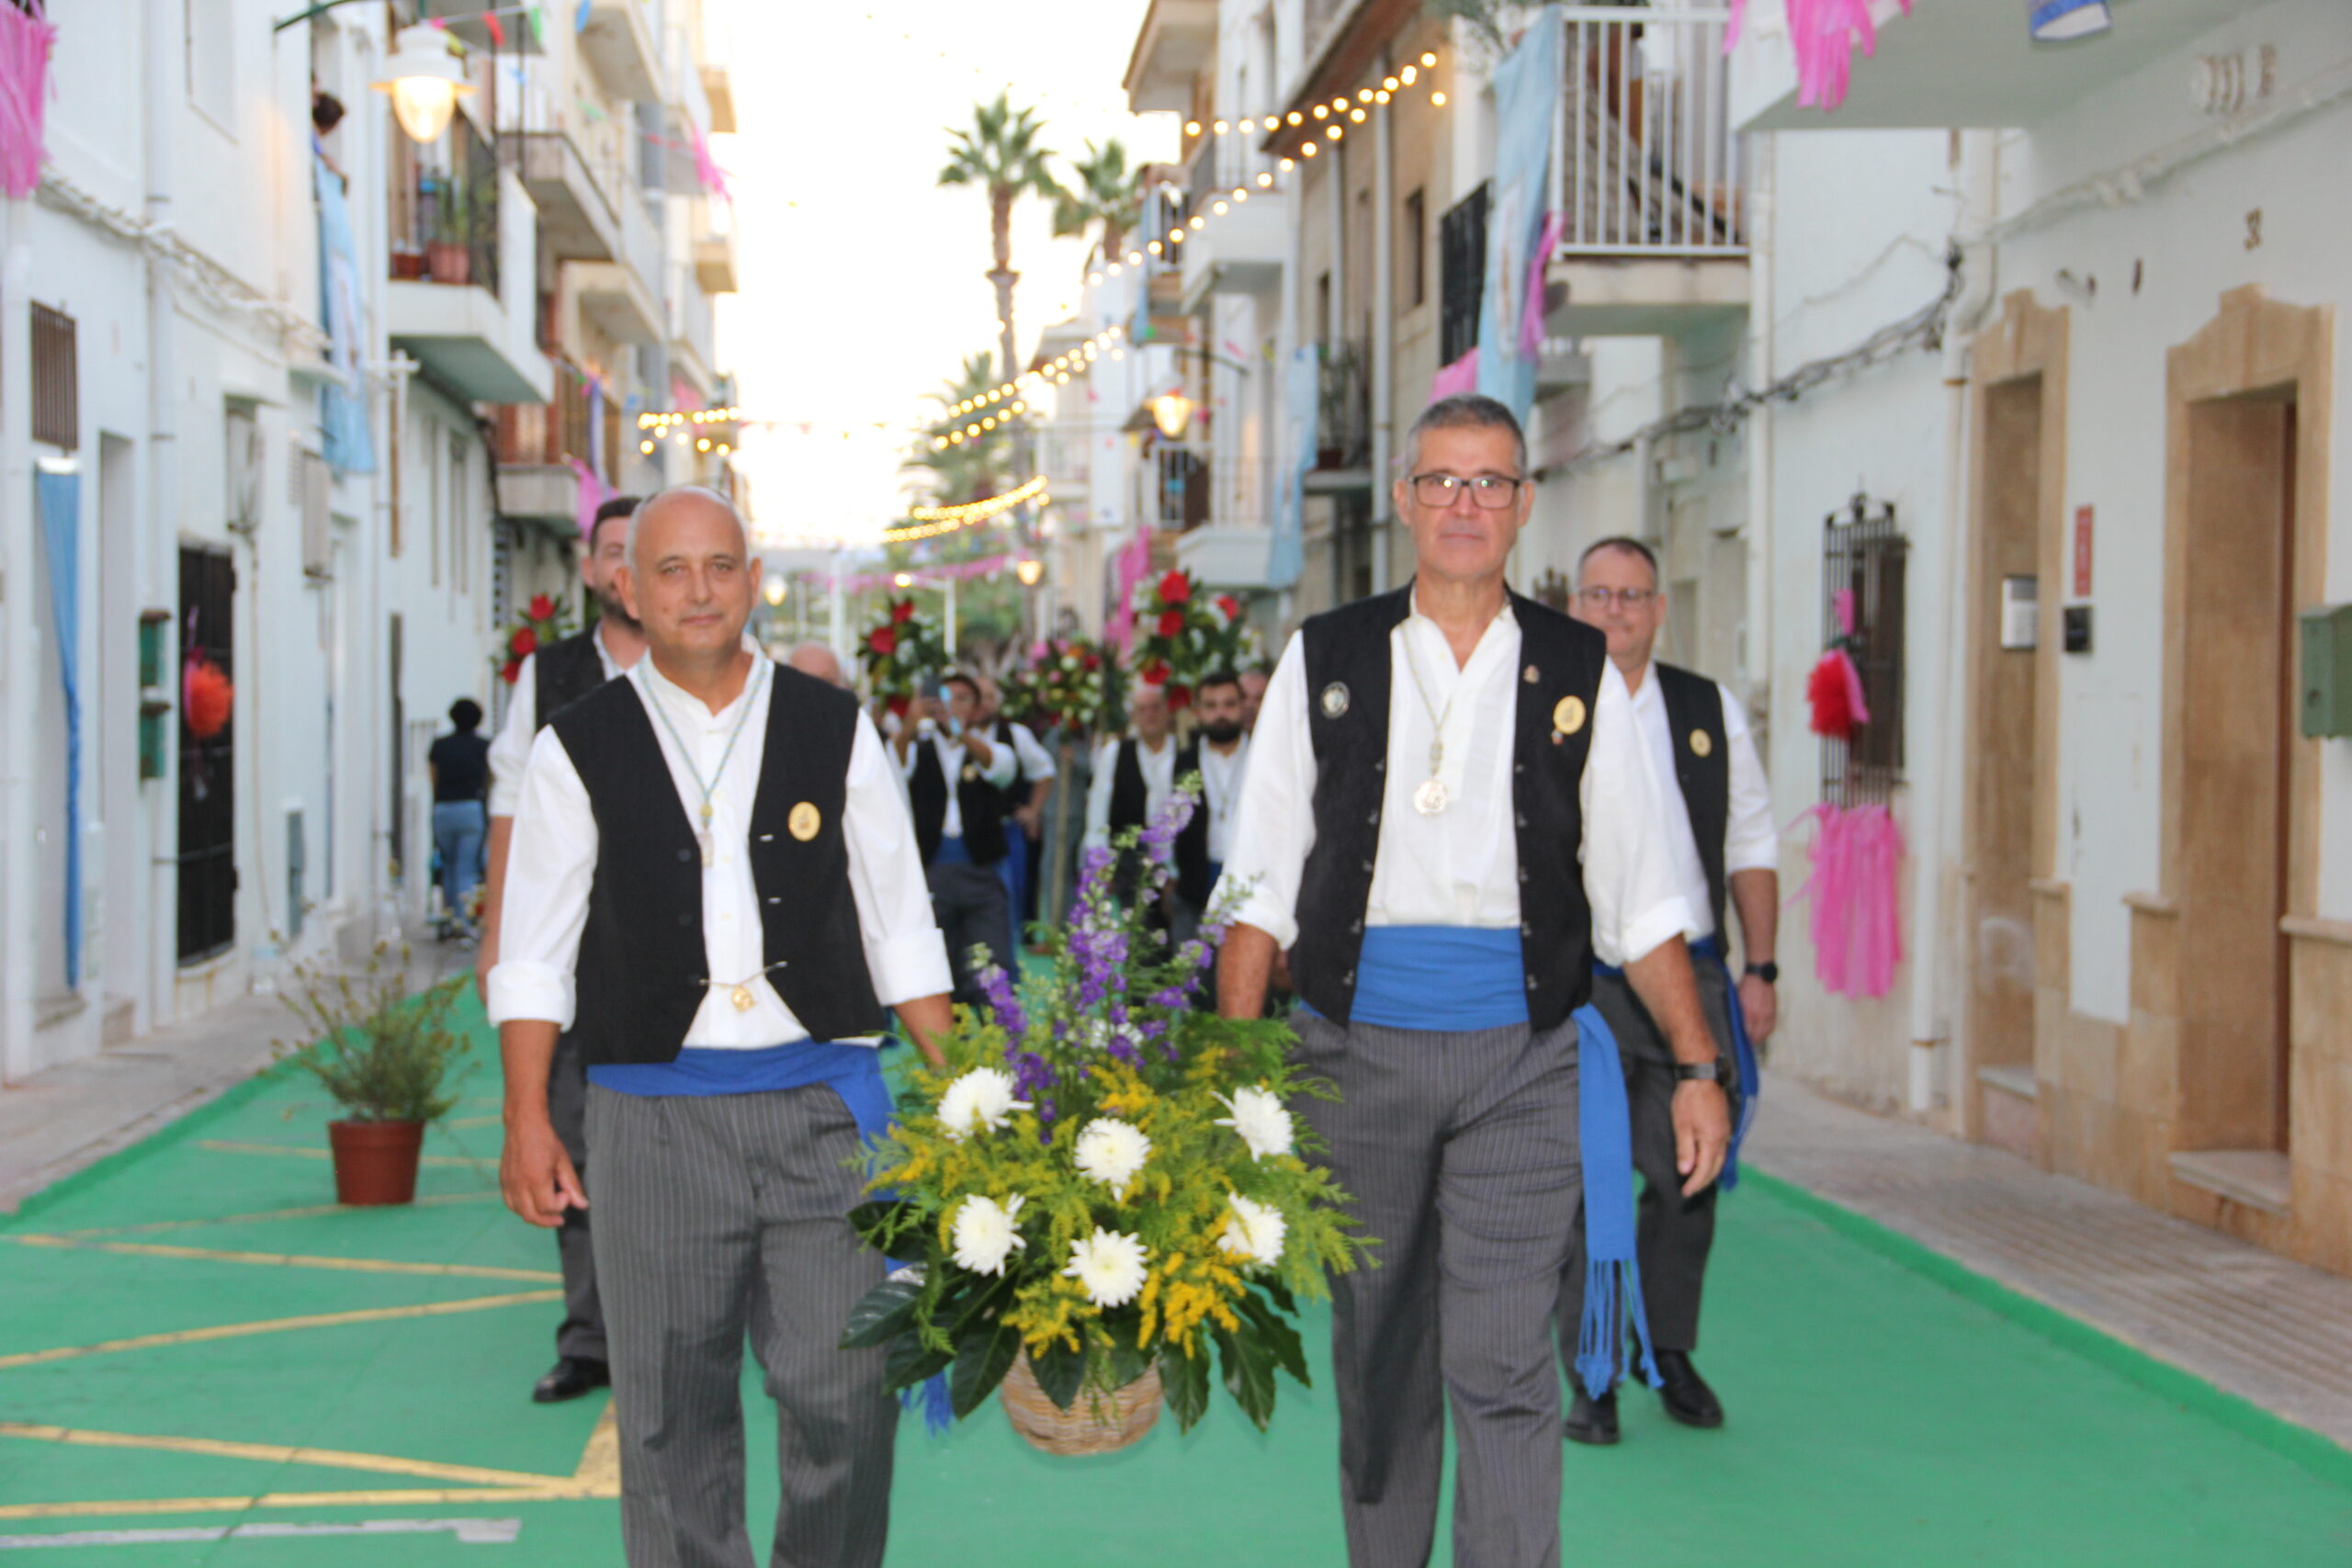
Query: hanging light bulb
{"type": "Point", "coordinates": [774, 590]}
{"type": "Point", "coordinates": [1172, 412]}
{"type": "Point", "coordinates": [424, 80]}
{"type": "Point", "coordinates": [1029, 572]}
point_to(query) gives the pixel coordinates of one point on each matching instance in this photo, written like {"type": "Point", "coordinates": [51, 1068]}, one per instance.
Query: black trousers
{"type": "Point", "coordinates": [1673, 1234]}
{"type": "Point", "coordinates": [973, 909]}
{"type": "Point", "coordinates": [581, 1333]}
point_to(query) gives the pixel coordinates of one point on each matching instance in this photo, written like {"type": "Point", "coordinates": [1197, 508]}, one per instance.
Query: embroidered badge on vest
{"type": "Point", "coordinates": [1335, 699]}
{"type": "Point", "coordinates": [971, 772]}
{"type": "Point", "coordinates": [1531, 677]}
{"type": "Point", "coordinates": [804, 821]}
{"type": "Point", "coordinates": [1702, 744]}
{"type": "Point", "coordinates": [1568, 716]}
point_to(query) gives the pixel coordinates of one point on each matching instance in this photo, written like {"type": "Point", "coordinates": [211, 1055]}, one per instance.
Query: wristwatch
{"type": "Point", "coordinates": [1705, 1072]}
{"type": "Point", "coordinates": [1768, 972]}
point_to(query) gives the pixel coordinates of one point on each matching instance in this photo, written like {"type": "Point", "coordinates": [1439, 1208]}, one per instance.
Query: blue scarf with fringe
{"type": "Point", "coordinates": [1475, 977]}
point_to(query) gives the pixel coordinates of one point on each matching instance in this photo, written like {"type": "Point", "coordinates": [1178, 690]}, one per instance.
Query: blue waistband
{"type": "Point", "coordinates": [853, 1071]}
{"type": "Point", "coordinates": [952, 853]}
{"type": "Point", "coordinates": [1454, 978]}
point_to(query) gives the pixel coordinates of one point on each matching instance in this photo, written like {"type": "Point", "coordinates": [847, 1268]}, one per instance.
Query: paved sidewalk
{"type": "Point", "coordinates": [57, 1122]}
{"type": "Point", "coordinates": [2274, 1332]}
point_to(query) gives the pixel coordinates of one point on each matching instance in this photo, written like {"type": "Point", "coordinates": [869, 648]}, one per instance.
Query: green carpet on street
{"type": "Point", "coordinates": [187, 1377]}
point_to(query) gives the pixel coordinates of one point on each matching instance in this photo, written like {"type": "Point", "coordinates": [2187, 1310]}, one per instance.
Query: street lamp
{"type": "Point", "coordinates": [1172, 412]}
{"type": "Point", "coordinates": [423, 79]}
{"type": "Point", "coordinates": [1029, 572]}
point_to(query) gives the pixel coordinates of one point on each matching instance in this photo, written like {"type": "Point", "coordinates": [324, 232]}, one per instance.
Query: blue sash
{"type": "Point", "coordinates": [854, 1072]}
{"type": "Point", "coordinates": [1454, 977]}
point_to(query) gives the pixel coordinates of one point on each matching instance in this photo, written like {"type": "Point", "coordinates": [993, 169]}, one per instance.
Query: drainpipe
{"type": "Point", "coordinates": [1338, 324]}
{"type": "Point", "coordinates": [1934, 836]}
{"type": "Point", "coordinates": [20, 686]}
{"type": "Point", "coordinates": [1383, 334]}
{"type": "Point", "coordinates": [1758, 657]}
{"type": "Point", "coordinates": [158, 565]}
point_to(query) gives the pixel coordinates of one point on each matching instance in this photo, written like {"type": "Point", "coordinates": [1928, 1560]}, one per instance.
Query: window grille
{"type": "Point", "coordinates": [57, 380]}
{"type": "Point", "coordinates": [1462, 281]}
{"type": "Point", "coordinates": [1863, 555]}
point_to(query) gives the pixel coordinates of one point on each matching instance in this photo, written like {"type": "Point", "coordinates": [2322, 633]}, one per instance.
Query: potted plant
{"type": "Point", "coordinates": [384, 1051]}
{"type": "Point", "coordinates": [1102, 1189]}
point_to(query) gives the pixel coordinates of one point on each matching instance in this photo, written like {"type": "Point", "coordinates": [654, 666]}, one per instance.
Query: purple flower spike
{"type": "Point", "coordinates": [996, 988]}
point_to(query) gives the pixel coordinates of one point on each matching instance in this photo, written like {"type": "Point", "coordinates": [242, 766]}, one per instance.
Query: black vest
{"type": "Point", "coordinates": [1192, 846]}
{"type": "Point", "coordinates": [1130, 795]}
{"type": "Point", "coordinates": [564, 671]}
{"type": "Point", "coordinates": [642, 968]}
{"type": "Point", "coordinates": [1347, 674]}
{"type": "Point", "coordinates": [981, 803]}
{"type": "Point", "coordinates": [1694, 708]}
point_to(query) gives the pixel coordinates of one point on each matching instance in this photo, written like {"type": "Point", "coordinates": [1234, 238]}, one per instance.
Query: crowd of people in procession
{"type": "Point", "coordinates": [1445, 819]}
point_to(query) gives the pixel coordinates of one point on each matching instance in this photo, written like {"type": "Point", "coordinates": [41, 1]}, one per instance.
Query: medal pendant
{"type": "Point", "coordinates": [742, 998]}
{"type": "Point", "coordinates": [1430, 797]}
{"type": "Point", "coordinates": [709, 854]}
{"type": "Point", "coordinates": [706, 811]}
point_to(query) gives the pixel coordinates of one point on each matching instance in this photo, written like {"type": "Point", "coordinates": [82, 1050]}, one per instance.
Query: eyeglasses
{"type": "Point", "coordinates": [1627, 598]}
{"type": "Point", "coordinates": [1491, 493]}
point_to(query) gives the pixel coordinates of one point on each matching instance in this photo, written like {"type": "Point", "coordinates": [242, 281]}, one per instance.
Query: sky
{"type": "Point", "coordinates": [862, 285]}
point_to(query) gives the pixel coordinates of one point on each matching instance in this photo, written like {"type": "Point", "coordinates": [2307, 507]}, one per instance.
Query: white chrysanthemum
{"type": "Point", "coordinates": [981, 1100]}
{"type": "Point", "coordinates": [1109, 1266]}
{"type": "Point", "coordinates": [985, 1233]}
{"type": "Point", "coordinates": [1260, 1121]}
{"type": "Point", "coordinates": [1111, 1151]}
{"type": "Point", "coordinates": [1255, 1232]}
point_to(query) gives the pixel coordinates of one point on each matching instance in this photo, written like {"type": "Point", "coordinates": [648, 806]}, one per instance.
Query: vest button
{"type": "Point", "coordinates": [1367, 867]}
{"type": "Point", "coordinates": [1357, 927]}
{"type": "Point", "coordinates": [685, 920]}
{"type": "Point", "coordinates": [1373, 819]}
{"type": "Point", "coordinates": [1522, 874]}
{"type": "Point", "coordinates": [1522, 819]}
{"type": "Point", "coordinates": [1526, 929]}
{"type": "Point", "coordinates": [685, 856]}
{"type": "Point", "coordinates": [1532, 982]}
{"type": "Point", "coordinates": [1381, 766]}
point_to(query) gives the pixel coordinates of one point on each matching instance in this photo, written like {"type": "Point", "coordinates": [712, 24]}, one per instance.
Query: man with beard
{"type": "Point", "coordinates": [550, 679]}
{"type": "Point", "coordinates": [1219, 753]}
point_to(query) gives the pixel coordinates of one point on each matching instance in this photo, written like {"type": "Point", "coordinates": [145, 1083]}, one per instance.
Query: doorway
{"type": "Point", "coordinates": [207, 860]}
{"type": "Point", "coordinates": [2236, 730]}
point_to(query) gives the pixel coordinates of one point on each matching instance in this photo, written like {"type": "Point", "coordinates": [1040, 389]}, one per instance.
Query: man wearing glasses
{"type": "Point", "coordinates": [1449, 814]}
{"type": "Point", "coordinates": [1724, 850]}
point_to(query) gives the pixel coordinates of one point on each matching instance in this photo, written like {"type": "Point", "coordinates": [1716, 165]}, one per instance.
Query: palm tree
{"type": "Point", "coordinates": [1000, 152]}
{"type": "Point", "coordinates": [1105, 194]}
{"type": "Point", "coordinates": [967, 471]}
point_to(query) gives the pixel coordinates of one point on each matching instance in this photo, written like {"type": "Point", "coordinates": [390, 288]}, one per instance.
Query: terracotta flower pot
{"type": "Point", "coordinates": [375, 1162]}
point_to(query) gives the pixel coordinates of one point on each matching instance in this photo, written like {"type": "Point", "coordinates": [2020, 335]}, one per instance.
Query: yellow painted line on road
{"type": "Point", "coordinates": [277, 1325]}
{"type": "Point", "coordinates": [280, 1453]}
{"type": "Point", "coordinates": [287, 1259]}
{"type": "Point", "coordinates": [600, 1462]}
{"type": "Point", "coordinates": [309, 1212]}
{"type": "Point", "coordinates": [301, 1151]}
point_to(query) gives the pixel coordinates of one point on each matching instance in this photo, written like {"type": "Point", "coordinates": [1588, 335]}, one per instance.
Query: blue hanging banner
{"type": "Point", "coordinates": [1302, 409]}
{"type": "Point", "coordinates": [59, 497]}
{"type": "Point", "coordinates": [1527, 86]}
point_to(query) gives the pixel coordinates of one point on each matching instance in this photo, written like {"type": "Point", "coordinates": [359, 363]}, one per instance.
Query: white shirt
{"type": "Point", "coordinates": [1036, 763]}
{"type": "Point", "coordinates": [1158, 782]}
{"type": "Point", "coordinates": [1460, 867]}
{"type": "Point", "coordinates": [1003, 767]}
{"type": "Point", "coordinates": [553, 860]}
{"type": "Point", "coordinates": [1751, 843]}
{"type": "Point", "coordinates": [1221, 777]}
{"type": "Point", "coordinates": [511, 752]}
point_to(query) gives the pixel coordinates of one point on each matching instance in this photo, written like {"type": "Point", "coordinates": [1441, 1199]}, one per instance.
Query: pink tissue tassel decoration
{"type": "Point", "coordinates": [1822, 32]}
{"type": "Point", "coordinates": [1856, 927]}
{"type": "Point", "coordinates": [25, 43]}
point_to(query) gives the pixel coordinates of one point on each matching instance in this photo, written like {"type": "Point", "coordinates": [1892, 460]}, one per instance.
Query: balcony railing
{"type": "Point", "coordinates": [1343, 407]}
{"type": "Point", "coordinates": [1462, 275]}
{"type": "Point", "coordinates": [1180, 480]}
{"type": "Point", "coordinates": [444, 219]}
{"type": "Point", "coordinates": [1645, 161]}
{"type": "Point", "coordinates": [573, 424]}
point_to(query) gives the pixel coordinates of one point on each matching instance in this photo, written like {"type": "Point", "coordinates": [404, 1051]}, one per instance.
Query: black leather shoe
{"type": "Point", "coordinates": [1593, 1421]}
{"type": "Point", "coordinates": [1684, 1392]}
{"type": "Point", "coordinates": [570, 1377]}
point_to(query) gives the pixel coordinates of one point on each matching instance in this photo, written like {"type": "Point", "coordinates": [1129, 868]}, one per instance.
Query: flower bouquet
{"type": "Point", "coordinates": [1102, 1189]}
{"type": "Point", "coordinates": [1182, 634]}
{"type": "Point", "coordinates": [1070, 686]}
{"type": "Point", "coordinates": [901, 653]}
{"type": "Point", "coordinates": [542, 622]}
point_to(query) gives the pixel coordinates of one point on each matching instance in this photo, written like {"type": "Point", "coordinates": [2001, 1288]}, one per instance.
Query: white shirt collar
{"type": "Point", "coordinates": [664, 688]}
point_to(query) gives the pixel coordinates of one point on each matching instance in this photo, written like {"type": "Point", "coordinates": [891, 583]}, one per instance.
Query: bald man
{"type": "Point", "coordinates": [816, 659]}
{"type": "Point", "coordinates": [716, 890]}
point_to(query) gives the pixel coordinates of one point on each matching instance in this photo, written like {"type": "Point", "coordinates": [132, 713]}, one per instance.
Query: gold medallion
{"type": "Point", "coordinates": [1701, 743]}
{"type": "Point", "coordinates": [804, 821]}
{"type": "Point", "coordinates": [742, 998]}
{"type": "Point", "coordinates": [1567, 715]}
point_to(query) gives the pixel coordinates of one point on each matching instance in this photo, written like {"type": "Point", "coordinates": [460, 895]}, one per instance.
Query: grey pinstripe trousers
{"type": "Point", "coordinates": [717, 1217]}
{"type": "Point", "coordinates": [1461, 1153]}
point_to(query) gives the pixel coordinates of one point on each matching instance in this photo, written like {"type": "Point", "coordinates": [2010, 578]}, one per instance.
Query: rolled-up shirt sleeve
{"type": "Point", "coordinates": [905, 955]}
{"type": "Point", "coordinates": [1037, 762]}
{"type": "Point", "coordinates": [1004, 765]}
{"type": "Point", "coordinates": [510, 751]}
{"type": "Point", "coordinates": [1628, 869]}
{"type": "Point", "coordinates": [1273, 828]}
{"type": "Point", "coordinates": [550, 865]}
{"type": "Point", "coordinates": [1750, 841]}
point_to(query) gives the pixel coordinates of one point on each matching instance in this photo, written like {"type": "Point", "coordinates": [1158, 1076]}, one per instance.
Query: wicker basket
{"type": "Point", "coordinates": [1095, 1423]}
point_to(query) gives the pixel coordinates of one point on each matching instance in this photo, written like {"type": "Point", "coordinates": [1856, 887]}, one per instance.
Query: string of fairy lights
{"type": "Point", "coordinates": [930, 521]}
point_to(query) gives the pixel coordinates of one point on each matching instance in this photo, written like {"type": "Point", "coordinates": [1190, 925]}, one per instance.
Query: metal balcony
{"type": "Point", "coordinates": [619, 46]}
{"type": "Point", "coordinates": [1175, 44]}
{"type": "Point", "coordinates": [577, 221]}
{"type": "Point", "coordinates": [623, 296]}
{"type": "Point", "coordinates": [1247, 239]}
{"type": "Point", "coordinates": [464, 257]}
{"type": "Point", "coordinates": [1646, 176]}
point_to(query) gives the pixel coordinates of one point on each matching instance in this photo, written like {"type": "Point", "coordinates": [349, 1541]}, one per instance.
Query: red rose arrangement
{"type": "Point", "coordinates": [1182, 633]}
{"type": "Point", "coordinates": [902, 652]}
{"type": "Point", "coordinates": [543, 620]}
